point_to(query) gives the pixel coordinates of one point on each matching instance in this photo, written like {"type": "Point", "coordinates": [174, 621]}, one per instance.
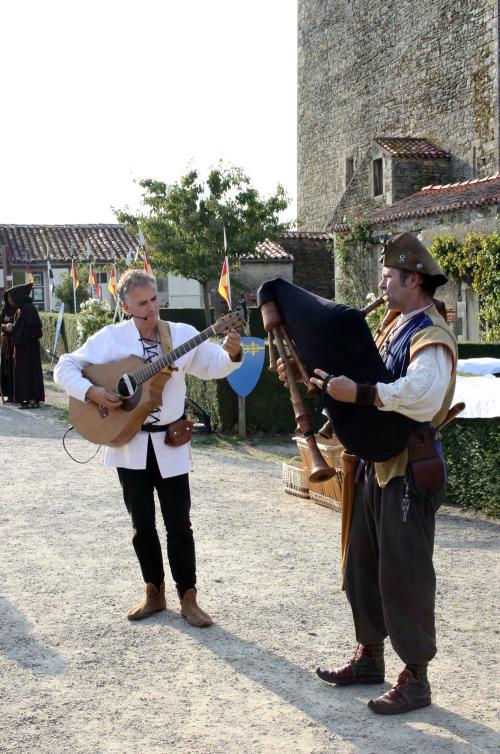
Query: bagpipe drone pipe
{"type": "Point", "coordinates": [336, 338]}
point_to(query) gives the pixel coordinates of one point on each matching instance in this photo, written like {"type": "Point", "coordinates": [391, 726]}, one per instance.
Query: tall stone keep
{"type": "Point", "coordinates": [374, 72]}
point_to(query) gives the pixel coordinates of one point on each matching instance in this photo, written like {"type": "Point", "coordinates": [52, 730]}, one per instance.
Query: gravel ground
{"type": "Point", "coordinates": [76, 676]}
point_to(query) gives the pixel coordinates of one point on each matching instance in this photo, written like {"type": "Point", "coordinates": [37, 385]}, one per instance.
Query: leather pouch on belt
{"type": "Point", "coordinates": [425, 461]}
{"type": "Point", "coordinates": [179, 432]}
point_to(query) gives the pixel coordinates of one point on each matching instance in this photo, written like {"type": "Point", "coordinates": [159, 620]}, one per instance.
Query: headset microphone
{"type": "Point", "coordinates": [136, 316]}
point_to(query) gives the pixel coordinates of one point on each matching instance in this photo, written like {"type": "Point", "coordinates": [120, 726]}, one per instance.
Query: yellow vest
{"type": "Point", "coordinates": [437, 334]}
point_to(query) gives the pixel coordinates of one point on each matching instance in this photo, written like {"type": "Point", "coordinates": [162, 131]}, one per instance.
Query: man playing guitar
{"type": "Point", "coordinates": [153, 458]}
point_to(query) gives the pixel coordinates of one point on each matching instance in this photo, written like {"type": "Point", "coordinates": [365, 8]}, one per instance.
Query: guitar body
{"type": "Point", "coordinates": [117, 426]}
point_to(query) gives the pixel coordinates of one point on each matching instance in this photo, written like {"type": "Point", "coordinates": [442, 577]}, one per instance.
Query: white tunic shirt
{"type": "Point", "coordinates": [114, 342]}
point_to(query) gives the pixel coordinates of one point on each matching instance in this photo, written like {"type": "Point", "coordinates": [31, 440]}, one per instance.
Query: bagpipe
{"type": "Point", "coordinates": [318, 333]}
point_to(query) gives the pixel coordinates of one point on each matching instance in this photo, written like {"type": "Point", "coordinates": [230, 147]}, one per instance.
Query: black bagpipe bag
{"type": "Point", "coordinates": [336, 338]}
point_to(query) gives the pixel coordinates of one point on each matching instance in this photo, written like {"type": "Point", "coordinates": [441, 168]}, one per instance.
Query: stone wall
{"type": "Point", "coordinates": [253, 274]}
{"type": "Point", "coordinates": [369, 68]}
{"type": "Point", "coordinates": [313, 266]}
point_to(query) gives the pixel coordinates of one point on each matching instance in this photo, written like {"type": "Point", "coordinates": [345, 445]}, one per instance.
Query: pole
{"type": "Point", "coordinates": [74, 289]}
{"type": "Point", "coordinates": [242, 423]}
{"type": "Point", "coordinates": [49, 286]}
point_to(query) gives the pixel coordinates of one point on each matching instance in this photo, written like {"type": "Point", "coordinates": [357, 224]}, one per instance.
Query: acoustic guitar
{"type": "Point", "coordinates": [138, 384]}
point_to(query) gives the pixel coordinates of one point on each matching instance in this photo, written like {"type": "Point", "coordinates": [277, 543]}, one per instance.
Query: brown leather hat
{"type": "Point", "coordinates": [406, 252]}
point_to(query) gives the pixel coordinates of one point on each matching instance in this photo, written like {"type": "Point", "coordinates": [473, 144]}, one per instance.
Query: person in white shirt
{"type": "Point", "coordinates": [146, 462]}
{"type": "Point", "coordinates": [389, 576]}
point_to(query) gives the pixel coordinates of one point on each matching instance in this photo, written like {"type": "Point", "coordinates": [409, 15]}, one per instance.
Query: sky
{"type": "Point", "coordinates": [96, 95]}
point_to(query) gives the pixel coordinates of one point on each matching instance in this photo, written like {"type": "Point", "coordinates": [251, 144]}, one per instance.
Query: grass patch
{"type": "Point", "coordinates": [269, 448]}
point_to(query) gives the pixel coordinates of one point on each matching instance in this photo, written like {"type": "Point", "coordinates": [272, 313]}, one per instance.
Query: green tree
{"type": "Point", "coordinates": [184, 223]}
{"type": "Point", "coordinates": [94, 315]}
{"type": "Point", "coordinates": [64, 292]}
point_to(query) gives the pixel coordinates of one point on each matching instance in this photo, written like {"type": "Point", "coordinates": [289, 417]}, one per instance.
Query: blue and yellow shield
{"type": "Point", "coordinates": [247, 376]}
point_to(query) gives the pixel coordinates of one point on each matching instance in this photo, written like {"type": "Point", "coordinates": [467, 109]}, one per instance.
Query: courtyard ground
{"type": "Point", "coordinates": [77, 677]}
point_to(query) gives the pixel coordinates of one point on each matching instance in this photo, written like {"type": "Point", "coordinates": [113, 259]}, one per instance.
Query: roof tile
{"type": "Point", "coordinates": [411, 147]}
{"type": "Point", "coordinates": [271, 251]}
{"type": "Point", "coordinates": [434, 200]}
{"type": "Point", "coordinates": [34, 243]}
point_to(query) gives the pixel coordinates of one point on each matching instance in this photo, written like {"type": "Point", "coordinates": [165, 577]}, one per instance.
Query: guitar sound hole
{"type": "Point", "coordinates": [126, 386]}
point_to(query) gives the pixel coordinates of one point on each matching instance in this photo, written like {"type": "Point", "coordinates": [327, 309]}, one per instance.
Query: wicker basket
{"type": "Point", "coordinates": [329, 492]}
{"type": "Point", "coordinates": [295, 478]}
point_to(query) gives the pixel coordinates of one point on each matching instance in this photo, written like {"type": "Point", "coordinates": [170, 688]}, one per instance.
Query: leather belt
{"type": "Point", "coordinates": [159, 427]}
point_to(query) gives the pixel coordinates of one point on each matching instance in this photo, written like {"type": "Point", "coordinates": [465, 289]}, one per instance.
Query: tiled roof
{"type": "Point", "coordinates": [410, 147]}
{"type": "Point", "coordinates": [270, 251]}
{"type": "Point", "coordinates": [34, 242]}
{"type": "Point", "coordinates": [436, 200]}
{"type": "Point", "coordinates": [310, 235]}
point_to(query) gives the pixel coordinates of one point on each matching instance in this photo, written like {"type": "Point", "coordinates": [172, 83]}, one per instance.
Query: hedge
{"type": "Point", "coordinates": [478, 350]}
{"type": "Point", "coordinates": [471, 448]}
{"type": "Point", "coordinates": [68, 339]}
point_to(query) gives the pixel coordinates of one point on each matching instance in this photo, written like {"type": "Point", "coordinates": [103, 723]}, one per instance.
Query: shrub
{"type": "Point", "coordinates": [472, 457]}
{"type": "Point", "coordinates": [68, 340]}
{"type": "Point", "coordinates": [94, 315]}
{"type": "Point", "coordinates": [475, 261]}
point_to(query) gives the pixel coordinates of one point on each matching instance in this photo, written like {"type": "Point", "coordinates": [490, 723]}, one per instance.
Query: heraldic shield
{"type": "Point", "coordinates": [247, 376]}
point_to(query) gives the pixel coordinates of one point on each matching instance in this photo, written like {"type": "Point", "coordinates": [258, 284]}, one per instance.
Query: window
{"type": "Point", "coordinates": [102, 278]}
{"type": "Point", "coordinates": [378, 177]}
{"type": "Point", "coordinates": [38, 290]}
{"type": "Point", "coordinates": [349, 170]}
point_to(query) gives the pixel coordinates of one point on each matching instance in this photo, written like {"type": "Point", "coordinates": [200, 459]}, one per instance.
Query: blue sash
{"type": "Point", "coordinates": [397, 358]}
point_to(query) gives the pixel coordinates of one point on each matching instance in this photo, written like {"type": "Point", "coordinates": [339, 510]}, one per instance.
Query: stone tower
{"type": "Point", "coordinates": [372, 71]}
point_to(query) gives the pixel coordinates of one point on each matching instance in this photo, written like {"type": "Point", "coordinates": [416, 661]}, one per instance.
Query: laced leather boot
{"type": "Point", "coordinates": [192, 612]}
{"type": "Point", "coordinates": [411, 691]}
{"type": "Point", "coordinates": [153, 602]}
{"type": "Point", "coordinates": [365, 666]}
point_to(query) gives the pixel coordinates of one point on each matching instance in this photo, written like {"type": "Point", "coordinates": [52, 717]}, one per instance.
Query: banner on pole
{"type": "Point", "coordinates": [58, 327]}
{"type": "Point", "coordinates": [244, 379]}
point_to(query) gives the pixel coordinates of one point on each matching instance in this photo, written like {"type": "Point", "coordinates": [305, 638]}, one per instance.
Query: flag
{"type": "Point", "coordinates": [50, 276]}
{"type": "Point", "coordinates": [74, 275]}
{"type": "Point", "coordinates": [147, 265]}
{"type": "Point", "coordinates": [224, 284]}
{"type": "Point", "coordinates": [142, 241]}
{"type": "Point", "coordinates": [113, 281]}
{"type": "Point", "coordinates": [93, 282]}
{"type": "Point", "coordinates": [29, 274]}
{"type": "Point", "coordinates": [128, 260]}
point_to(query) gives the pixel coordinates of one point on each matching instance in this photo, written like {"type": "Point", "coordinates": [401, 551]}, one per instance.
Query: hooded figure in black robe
{"type": "Point", "coordinates": [7, 352]}
{"type": "Point", "coordinates": [25, 336]}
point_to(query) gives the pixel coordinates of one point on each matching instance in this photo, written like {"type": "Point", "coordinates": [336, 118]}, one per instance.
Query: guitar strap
{"type": "Point", "coordinates": [166, 342]}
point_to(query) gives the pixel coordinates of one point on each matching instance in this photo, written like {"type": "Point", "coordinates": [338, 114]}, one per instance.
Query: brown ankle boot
{"type": "Point", "coordinates": [365, 666]}
{"type": "Point", "coordinates": [411, 691]}
{"type": "Point", "coordinates": [153, 602]}
{"type": "Point", "coordinates": [192, 612]}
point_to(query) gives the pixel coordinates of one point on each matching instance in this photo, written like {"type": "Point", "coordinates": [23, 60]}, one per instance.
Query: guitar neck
{"type": "Point", "coordinates": [169, 358]}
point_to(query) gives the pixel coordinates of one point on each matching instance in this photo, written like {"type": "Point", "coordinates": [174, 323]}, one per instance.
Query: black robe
{"type": "Point", "coordinates": [7, 354]}
{"type": "Point", "coordinates": [25, 337]}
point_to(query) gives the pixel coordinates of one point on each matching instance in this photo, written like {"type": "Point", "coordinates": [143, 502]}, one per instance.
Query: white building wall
{"type": "Point", "coordinates": [184, 293]}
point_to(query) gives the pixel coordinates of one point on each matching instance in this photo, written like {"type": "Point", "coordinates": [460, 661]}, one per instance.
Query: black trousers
{"type": "Point", "coordinates": [389, 579]}
{"type": "Point", "coordinates": [175, 502]}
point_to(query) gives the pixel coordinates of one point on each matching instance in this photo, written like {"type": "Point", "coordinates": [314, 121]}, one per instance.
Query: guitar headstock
{"type": "Point", "coordinates": [230, 321]}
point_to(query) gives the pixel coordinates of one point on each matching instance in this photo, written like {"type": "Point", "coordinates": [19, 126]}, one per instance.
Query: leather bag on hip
{"type": "Point", "coordinates": [179, 432]}
{"type": "Point", "coordinates": [425, 461]}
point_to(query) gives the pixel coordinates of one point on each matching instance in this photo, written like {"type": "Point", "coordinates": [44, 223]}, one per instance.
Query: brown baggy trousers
{"type": "Point", "coordinates": [389, 577]}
